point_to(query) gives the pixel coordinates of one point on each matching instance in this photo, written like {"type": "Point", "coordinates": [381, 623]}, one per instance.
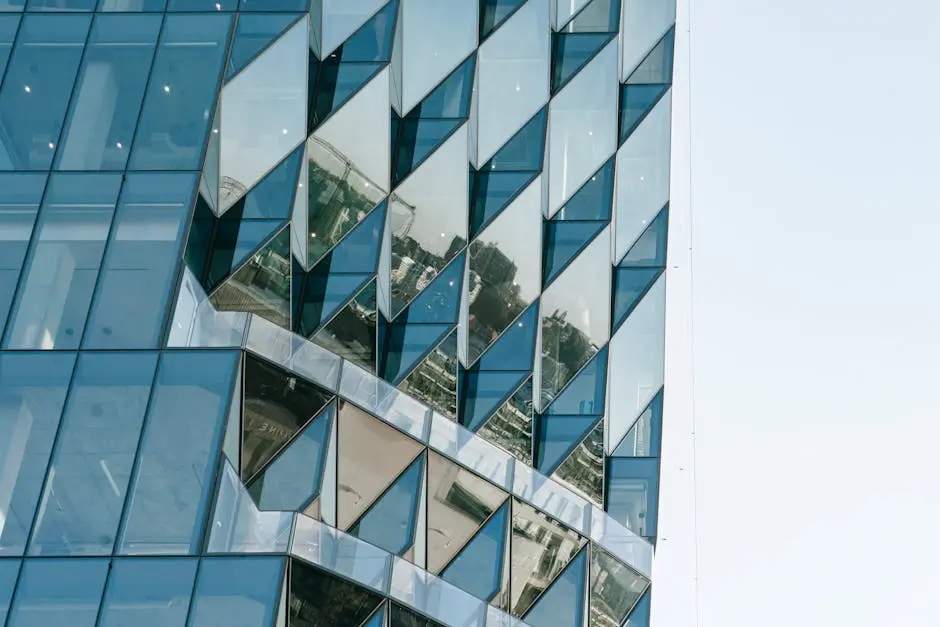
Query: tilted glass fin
{"type": "Point", "coordinates": [402, 346]}
{"type": "Point", "coordinates": [630, 285]}
{"type": "Point", "coordinates": [583, 470]}
{"type": "Point", "coordinates": [563, 602]}
{"type": "Point", "coordinates": [510, 426]}
{"type": "Point", "coordinates": [599, 16]}
{"type": "Point", "coordinates": [495, 12]}
{"type": "Point", "coordinates": [636, 101]}
{"type": "Point", "coordinates": [558, 435]}
{"type": "Point", "coordinates": [571, 52]}
{"type": "Point", "coordinates": [478, 567]}
{"type": "Point", "coordinates": [615, 589]}
{"type": "Point", "coordinates": [594, 200]}
{"type": "Point", "coordinates": [225, 243]}
{"type": "Point", "coordinates": [640, 616]}
{"type": "Point", "coordinates": [273, 197]}
{"type": "Point", "coordinates": [437, 301]}
{"type": "Point", "coordinates": [358, 252]}
{"type": "Point", "coordinates": [322, 296]}
{"type": "Point", "coordinates": [564, 240]}
{"type": "Point", "coordinates": [514, 349]}
{"type": "Point", "coordinates": [656, 68]}
{"type": "Point", "coordinates": [390, 523]}
{"type": "Point", "coordinates": [351, 333]}
{"type": "Point", "coordinates": [649, 251]}
{"type": "Point", "coordinates": [253, 33]}
{"type": "Point", "coordinates": [318, 598]}
{"type": "Point", "coordinates": [644, 439]}
{"type": "Point", "coordinates": [434, 380]}
{"type": "Point", "coordinates": [361, 27]}
{"type": "Point", "coordinates": [377, 619]}
{"type": "Point", "coordinates": [585, 393]}
{"type": "Point", "coordinates": [483, 392]}
{"type": "Point", "coordinates": [633, 493]}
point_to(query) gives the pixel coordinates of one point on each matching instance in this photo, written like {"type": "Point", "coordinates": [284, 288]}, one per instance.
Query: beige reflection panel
{"type": "Point", "coordinates": [615, 589]}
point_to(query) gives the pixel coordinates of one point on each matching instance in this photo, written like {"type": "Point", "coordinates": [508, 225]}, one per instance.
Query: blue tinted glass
{"type": "Point", "coordinates": [563, 241]}
{"type": "Point", "coordinates": [483, 393]}
{"type": "Point", "coordinates": [8, 26]}
{"type": "Point", "coordinates": [635, 102]}
{"type": "Point", "coordinates": [36, 89]}
{"type": "Point", "coordinates": [108, 93]}
{"type": "Point", "coordinates": [390, 522]}
{"type": "Point", "coordinates": [253, 33]}
{"type": "Point", "coordinates": [59, 592]}
{"type": "Point", "coordinates": [61, 5]}
{"type": "Point", "coordinates": [557, 436]}
{"type": "Point", "coordinates": [273, 197]}
{"type": "Point", "coordinates": [515, 348]}
{"type": "Point", "coordinates": [407, 344]}
{"type": "Point", "coordinates": [237, 592]}
{"type": "Point", "coordinates": [650, 249]}
{"type": "Point", "coordinates": [563, 602]}
{"type": "Point", "coordinates": [585, 393]}
{"type": "Point", "coordinates": [141, 261]}
{"type": "Point", "coordinates": [94, 455]}
{"type": "Point", "coordinates": [235, 241]}
{"type": "Point", "coordinates": [571, 52]}
{"type": "Point", "coordinates": [12, 5]}
{"type": "Point", "coordinates": [274, 5]}
{"type": "Point", "coordinates": [377, 620]}
{"type": "Point", "coordinates": [450, 99]}
{"type": "Point", "coordinates": [493, 191]}
{"type": "Point", "coordinates": [335, 84]}
{"type": "Point", "coordinates": [57, 285]}
{"type": "Point", "coordinates": [495, 12]}
{"type": "Point", "coordinates": [20, 195]}
{"type": "Point", "coordinates": [202, 5]}
{"type": "Point", "coordinates": [324, 295]}
{"type": "Point", "coordinates": [478, 567]}
{"type": "Point", "coordinates": [32, 392]}
{"type": "Point", "coordinates": [595, 198]}
{"type": "Point", "coordinates": [132, 5]}
{"type": "Point", "coordinates": [640, 616]}
{"type": "Point", "coordinates": [630, 284]}
{"type": "Point", "coordinates": [439, 301]}
{"type": "Point", "coordinates": [293, 478]}
{"type": "Point", "coordinates": [359, 251]}
{"type": "Point", "coordinates": [373, 42]}
{"type": "Point", "coordinates": [525, 150]}
{"type": "Point", "coordinates": [183, 87]}
{"type": "Point", "coordinates": [179, 452]}
{"type": "Point", "coordinates": [9, 571]}
{"type": "Point", "coordinates": [633, 493]}
{"type": "Point", "coordinates": [597, 16]}
{"type": "Point", "coordinates": [645, 437]}
{"type": "Point", "coordinates": [417, 138]}
{"type": "Point", "coordinates": [148, 592]}
{"type": "Point", "coordinates": [656, 68]}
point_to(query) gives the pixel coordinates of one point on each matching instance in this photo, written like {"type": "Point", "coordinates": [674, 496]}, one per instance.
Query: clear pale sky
{"type": "Point", "coordinates": [815, 136]}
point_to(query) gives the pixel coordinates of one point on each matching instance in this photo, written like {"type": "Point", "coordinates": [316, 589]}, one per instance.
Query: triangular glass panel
{"type": "Point", "coordinates": [318, 598]}
{"type": "Point", "coordinates": [492, 192]}
{"type": "Point", "coordinates": [635, 102]}
{"type": "Point", "coordinates": [558, 435]}
{"type": "Point", "coordinates": [253, 33]}
{"type": "Point", "coordinates": [400, 616]}
{"type": "Point", "coordinates": [600, 16]}
{"type": "Point", "coordinates": [564, 240]}
{"type": "Point", "coordinates": [323, 295]}
{"type": "Point", "coordinates": [563, 602]}
{"type": "Point", "coordinates": [231, 442]}
{"type": "Point", "coordinates": [585, 393]}
{"type": "Point", "coordinates": [656, 68]}
{"type": "Point", "coordinates": [633, 493]}
{"type": "Point", "coordinates": [377, 619]}
{"type": "Point", "coordinates": [404, 345]}
{"type": "Point", "coordinates": [235, 240]}
{"type": "Point", "coordinates": [362, 477]}
{"type": "Point", "coordinates": [649, 251]}
{"type": "Point", "coordinates": [273, 197]}
{"type": "Point", "coordinates": [312, 510]}
{"type": "Point", "coordinates": [571, 52]}
{"type": "Point", "coordinates": [644, 439]}
{"type": "Point", "coordinates": [263, 285]}
{"type": "Point", "coordinates": [615, 589]}
{"type": "Point", "coordinates": [583, 470]}
{"type": "Point", "coordinates": [332, 84]}
{"type": "Point", "coordinates": [494, 12]}
{"type": "Point", "coordinates": [439, 301]}
{"type": "Point", "coordinates": [630, 284]}
{"type": "Point", "coordinates": [640, 616]}
{"type": "Point", "coordinates": [390, 523]}
{"type": "Point", "coordinates": [515, 348]}
{"type": "Point", "coordinates": [434, 380]}
{"type": "Point", "coordinates": [534, 565]}
{"type": "Point", "coordinates": [477, 569]}
{"type": "Point", "coordinates": [595, 199]}
{"type": "Point", "coordinates": [277, 405]}
{"type": "Point", "coordinates": [351, 333]}
{"type": "Point", "coordinates": [293, 478]}
{"type": "Point", "coordinates": [510, 427]}
{"type": "Point", "coordinates": [358, 252]}
{"type": "Point", "coordinates": [525, 151]}
{"type": "Point", "coordinates": [483, 392]}
{"type": "Point", "coordinates": [365, 26]}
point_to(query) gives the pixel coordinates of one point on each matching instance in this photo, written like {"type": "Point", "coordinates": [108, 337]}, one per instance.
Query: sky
{"type": "Point", "coordinates": [813, 326]}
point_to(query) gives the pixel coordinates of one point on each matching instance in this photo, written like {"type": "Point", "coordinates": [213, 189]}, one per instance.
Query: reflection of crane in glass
{"type": "Point", "coordinates": [403, 217]}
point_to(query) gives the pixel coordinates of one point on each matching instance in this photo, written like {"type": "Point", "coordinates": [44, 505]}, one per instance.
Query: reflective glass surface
{"type": "Point", "coordinates": [583, 470]}
{"type": "Point", "coordinates": [239, 592]}
{"type": "Point", "coordinates": [60, 591]}
{"type": "Point", "coordinates": [148, 592]}
{"type": "Point", "coordinates": [478, 567]}
{"type": "Point", "coordinates": [558, 436]}
{"type": "Point", "coordinates": [341, 18]}
{"type": "Point", "coordinates": [317, 598]}
{"type": "Point", "coordinates": [615, 589]}
{"type": "Point", "coordinates": [644, 439]}
{"type": "Point", "coordinates": [9, 572]}
{"type": "Point", "coordinates": [352, 331]}
{"type": "Point", "coordinates": [389, 524]}
{"type": "Point", "coordinates": [253, 33]}
{"type": "Point", "coordinates": [434, 379]}
{"type": "Point", "coordinates": [563, 602]}
{"type": "Point", "coordinates": [510, 427]}
{"type": "Point", "coordinates": [20, 195]}
{"type": "Point", "coordinates": [643, 23]}
{"type": "Point", "coordinates": [633, 493]}
{"type": "Point", "coordinates": [8, 27]}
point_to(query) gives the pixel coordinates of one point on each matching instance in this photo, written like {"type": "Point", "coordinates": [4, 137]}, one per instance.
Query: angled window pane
{"type": "Point", "coordinates": [390, 523]}
{"type": "Point", "coordinates": [8, 26]}
{"type": "Point", "coordinates": [317, 598]}
{"type": "Point", "coordinates": [59, 592]}
{"type": "Point", "coordinates": [237, 592]}
{"type": "Point", "coordinates": [20, 195]}
{"type": "Point", "coordinates": [61, 5]}
{"type": "Point", "coordinates": [12, 5]}
{"type": "Point", "coordinates": [633, 493]}
{"type": "Point", "coordinates": [202, 5]}
{"type": "Point", "coordinates": [178, 454]}
{"type": "Point", "coordinates": [36, 88]}
{"type": "Point", "coordinates": [57, 286]}
{"type": "Point", "coordinates": [132, 5]}
{"type": "Point", "coordinates": [148, 592]}
{"type": "Point", "coordinates": [140, 262]}
{"type": "Point", "coordinates": [94, 456]}
{"type": "Point", "coordinates": [183, 84]}
{"type": "Point", "coordinates": [478, 567]}
{"type": "Point", "coordinates": [562, 602]}
{"type": "Point", "coordinates": [274, 5]}
{"type": "Point", "coordinates": [615, 588]}
{"type": "Point", "coordinates": [9, 572]}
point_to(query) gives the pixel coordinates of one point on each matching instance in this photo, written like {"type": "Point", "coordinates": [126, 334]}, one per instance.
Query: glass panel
{"type": "Point", "coordinates": [109, 93]}
{"type": "Point", "coordinates": [148, 592]}
{"type": "Point", "coordinates": [274, 5]}
{"type": "Point", "coordinates": [237, 591]}
{"type": "Point", "coordinates": [637, 361]}
{"type": "Point", "coordinates": [132, 5]}
{"type": "Point", "coordinates": [183, 83]}
{"type": "Point", "coordinates": [435, 597]}
{"type": "Point", "coordinates": [434, 380]}
{"type": "Point", "coordinates": [8, 26]}
{"type": "Point", "coordinates": [478, 567]}
{"type": "Point", "coordinates": [515, 348]}
{"type": "Point", "coordinates": [317, 598]}
{"type": "Point", "coordinates": [20, 195]}
{"type": "Point", "coordinates": [359, 251]}
{"type": "Point", "coordinates": [656, 68]}
{"type": "Point", "coordinates": [406, 344]}
{"type": "Point", "coordinates": [645, 437]}
{"type": "Point", "coordinates": [235, 240]}
{"type": "Point", "coordinates": [640, 616]}
{"type": "Point", "coordinates": [594, 200]}
{"type": "Point", "coordinates": [563, 602]}
{"type": "Point", "coordinates": [540, 548]}
{"type": "Point", "coordinates": [644, 22]}
{"type": "Point", "coordinates": [32, 392]}
{"type": "Point", "coordinates": [59, 592]}
{"type": "Point", "coordinates": [564, 240]}
{"type": "Point", "coordinates": [340, 553]}
{"type": "Point", "coordinates": [390, 522]}
{"type": "Point", "coordinates": [576, 315]}
{"type": "Point", "coordinates": [650, 249]}
{"type": "Point", "coordinates": [630, 285]}
{"type": "Point", "coordinates": [565, 9]}
{"type": "Point", "coordinates": [615, 589]}
{"type": "Point", "coordinates": [600, 16]}
{"type": "Point", "coordinates": [383, 399]}
{"type": "Point", "coordinates": [483, 392]}
{"type": "Point", "coordinates": [57, 287]}
{"type": "Point", "coordinates": [9, 572]}
{"type": "Point", "coordinates": [510, 427]}
{"type": "Point", "coordinates": [571, 53]}
{"type": "Point", "coordinates": [341, 18]}
{"type": "Point", "coordinates": [95, 450]}
{"type": "Point", "coordinates": [351, 332]}
{"type": "Point", "coordinates": [62, 5]}
{"type": "Point", "coordinates": [37, 87]}
{"type": "Point", "coordinates": [140, 266]}
{"type": "Point", "coordinates": [585, 394]}
{"type": "Point", "coordinates": [252, 34]}
{"type": "Point", "coordinates": [273, 197]}
{"type": "Point", "coordinates": [471, 451]}
{"type": "Point", "coordinates": [583, 119]}
{"type": "Point", "coordinates": [402, 617]}
{"type": "Point", "coordinates": [494, 13]}
{"type": "Point", "coordinates": [583, 471]}
{"type": "Point", "coordinates": [633, 493]}
{"type": "Point", "coordinates": [179, 453]}
{"type": "Point", "coordinates": [635, 102]}
{"type": "Point", "coordinates": [558, 435]}
{"type": "Point", "coordinates": [202, 5]}
{"type": "Point", "coordinates": [264, 111]}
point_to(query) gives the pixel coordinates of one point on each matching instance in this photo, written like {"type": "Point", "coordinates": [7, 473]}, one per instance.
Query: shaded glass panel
{"type": "Point", "coordinates": [335, 84]}
{"type": "Point", "coordinates": [492, 192]}
{"type": "Point", "coordinates": [352, 332]}
{"type": "Point", "coordinates": [615, 589]}
{"type": "Point", "coordinates": [563, 241]}
{"type": "Point", "coordinates": [571, 53]}
{"type": "Point", "coordinates": [202, 5]}
{"type": "Point", "coordinates": [563, 601]}
{"type": "Point", "coordinates": [20, 195]}
{"type": "Point", "coordinates": [318, 599]}
{"type": "Point", "coordinates": [650, 249]}
{"type": "Point", "coordinates": [235, 240]}
{"type": "Point", "coordinates": [478, 567]}
{"type": "Point", "coordinates": [483, 392]}
{"type": "Point", "coordinates": [645, 437]}
{"type": "Point", "coordinates": [377, 620]}
{"type": "Point", "coordinates": [400, 616]}
{"type": "Point", "coordinates": [635, 102]}
{"type": "Point", "coordinates": [515, 348]}
{"type": "Point", "coordinates": [132, 5]}
{"type": "Point", "coordinates": [413, 139]}
{"type": "Point", "coordinates": [12, 5]}
{"type": "Point", "coordinates": [630, 284]}
{"type": "Point", "coordinates": [644, 22]}
{"type": "Point", "coordinates": [407, 344]}
{"type": "Point", "coordinates": [323, 294]}
{"type": "Point", "coordinates": [510, 427]}
{"type": "Point", "coordinates": [95, 453]}
{"type": "Point", "coordinates": [141, 261]}
{"type": "Point", "coordinates": [109, 93]}
{"type": "Point", "coordinates": [57, 285]}
{"type": "Point", "coordinates": [640, 616]}
{"type": "Point", "coordinates": [277, 405]}
{"type": "Point", "coordinates": [633, 493]}
{"type": "Point", "coordinates": [526, 150]}
{"type": "Point", "coordinates": [183, 84]}
{"type": "Point", "coordinates": [585, 394]}
{"type": "Point", "coordinates": [390, 522]}
{"type": "Point", "coordinates": [252, 34]}
{"type": "Point", "coordinates": [656, 68]}
{"type": "Point", "coordinates": [9, 572]}
{"type": "Point", "coordinates": [237, 592]}
{"type": "Point", "coordinates": [182, 436]}
{"type": "Point", "coordinates": [359, 251]}
{"type": "Point", "coordinates": [599, 16]}
{"type": "Point", "coordinates": [558, 435]}
{"type": "Point", "coordinates": [273, 197]}
{"type": "Point", "coordinates": [8, 26]}
{"type": "Point", "coordinates": [61, 5]}
{"type": "Point", "coordinates": [583, 470]}
{"type": "Point", "coordinates": [33, 387]}
{"type": "Point", "coordinates": [434, 380]}
{"type": "Point", "coordinates": [59, 592]}
{"type": "Point", "coordinates": [274, 5]}
{"type": "Point", "coordinates": [365, 29]}
{"type": "Point", "coordinates": [36, 88]}
{"type": "Point", "coordinates": [439, 301]}
{"type": "Point", "coordinates": [495, 12]}
{"type": "Point", "coordinates": [594, 200]}
{"type": "Point", "coordinates": [148, 592]}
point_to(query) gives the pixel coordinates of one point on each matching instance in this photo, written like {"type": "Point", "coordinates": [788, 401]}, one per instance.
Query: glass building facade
{"type": "Point", "coordinates": [327, 313]}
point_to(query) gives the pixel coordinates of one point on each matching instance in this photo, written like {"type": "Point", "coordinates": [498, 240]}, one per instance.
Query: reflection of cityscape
{"type": "Point", "coordinates": [262, 285]}
{"type": "Point", "coordinates": [494, 295]}
{"type": "Point", "coordinates": [511, 426]}
{"type": "Point", "coordinates": [434, 381]}
{"type": "Point", "coordinates": [413, 266]}
{"type": "Point", "coordinates": [583, 471]}
{"type": "Point", "coordinates": [565, 348]}
{"type": "Point", "coordinates": [352, 332]}
{"type": "Point", "coordinates": [615, 589]}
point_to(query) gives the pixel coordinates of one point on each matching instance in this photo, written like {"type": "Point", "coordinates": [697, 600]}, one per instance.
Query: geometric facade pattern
{"type": "Point", "coordinates": [332, 312]}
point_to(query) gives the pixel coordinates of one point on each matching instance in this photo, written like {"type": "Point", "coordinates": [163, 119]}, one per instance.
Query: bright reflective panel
{"type": "Point", "coordinates": [615, 589]}
{"type": "Point", "coordinates": [478, 567]}
{"type": "Point", "coordinates": [390, 522]}
{"type": "Point", "coordinates": [8, 26]}
{"type": "Point", "coordinates": [237, 592]}
{"type": "Point", "coordinates": [352, 331]}
{"type": "Point", "coordinates": [633, 493]}
{"type": "Point", "coordinates": [510, 427]}
{"type": "Point", "coordinates": [148, 592]}
{"type": "Point", "coordinates": [59, 592]}
{"type": "Point", "coordinates": [20, 195]}
{"type": "Point", "coordinates": [583, 470]}
{"type": "Point", "coordinates": [434, 380]}
{"type": "Point", "coordinates": [254, 33]}
{"type": "Point", "coordinates": [563, 602]}
{"type": "Point", "coordinates": [9, 573]}
{"type": "Point", "coordinates": [642, 24]}
{"type": "Point", "coordinates": [341, 18]}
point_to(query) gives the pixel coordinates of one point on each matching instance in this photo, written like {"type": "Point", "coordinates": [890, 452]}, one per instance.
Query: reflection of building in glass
{"type": "Point", "coordinates": [572, 347]}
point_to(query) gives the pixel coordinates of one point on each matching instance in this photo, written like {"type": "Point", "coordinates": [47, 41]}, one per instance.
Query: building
{"type": "Point", "coordinates": [342, 314]}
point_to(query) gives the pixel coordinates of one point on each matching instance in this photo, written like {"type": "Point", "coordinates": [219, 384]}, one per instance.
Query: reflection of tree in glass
{"type": "Point", "coordinates": [414, 267]}
{"type": "Point", "coordinates": [497, 302]}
